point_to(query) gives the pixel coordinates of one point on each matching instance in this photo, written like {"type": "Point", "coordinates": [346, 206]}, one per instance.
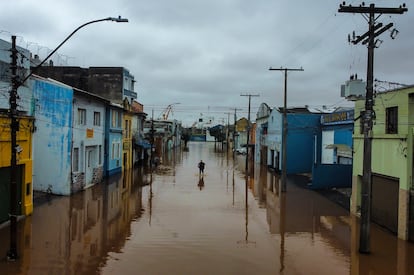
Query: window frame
{"type": "Point", "coordinates": [97, 118]}
{"type": "Point", "coordinates": [81, 116]}
{"type": "Point", "coordinates": [391, 120]}
{"type": "Point", "coordinates": [75, 160]}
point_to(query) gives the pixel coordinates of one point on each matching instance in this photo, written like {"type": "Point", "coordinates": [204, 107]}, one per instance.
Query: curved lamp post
{"type": "Point", "coordinates": [12, 253]}
{"type": "Point", "coordinates": [115, 19]}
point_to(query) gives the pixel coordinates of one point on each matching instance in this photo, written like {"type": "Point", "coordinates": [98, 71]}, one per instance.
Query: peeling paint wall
{"type": "Point", "coordinates": [52, 138]}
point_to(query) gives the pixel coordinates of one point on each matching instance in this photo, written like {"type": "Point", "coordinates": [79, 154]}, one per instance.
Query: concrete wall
{"type": "Point", "coordinates": [52, 138]}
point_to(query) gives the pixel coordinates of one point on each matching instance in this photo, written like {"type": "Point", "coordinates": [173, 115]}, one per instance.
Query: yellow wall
{"type": "Point", "coordinates": [127, 140]}
{"type": "Point", "coordinates": [24, 139]}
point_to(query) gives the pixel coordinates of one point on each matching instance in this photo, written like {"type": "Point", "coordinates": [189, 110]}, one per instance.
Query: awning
{"type": "Point", "coordinates": [143, 143]}
{"type": "Point", "coordinates": [342, 150]}
{"type": "Point", "coordinates": [339, 147]}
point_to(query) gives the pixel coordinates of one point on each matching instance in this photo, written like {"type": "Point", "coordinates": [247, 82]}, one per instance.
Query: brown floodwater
{"type": "Point", "coordinates": [171, 221]}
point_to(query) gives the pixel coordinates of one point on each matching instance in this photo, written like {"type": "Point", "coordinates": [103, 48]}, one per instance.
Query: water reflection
{"type": "Point", "coordinates": [201, 183]}
{"type": "Point", "coordinates": [246, 242]}
{"type": "Point", "coordinates": [158, 222]}
{"type": "Point", "coordinates": [324, 233]}
{"type": "Point", "coordinates": [72, 235]}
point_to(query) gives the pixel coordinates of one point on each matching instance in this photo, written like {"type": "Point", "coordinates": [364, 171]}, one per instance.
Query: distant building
{"type": "Point", "coordinates": [302, 126]}
{"type": "Point", "coordinates": [261, 133]}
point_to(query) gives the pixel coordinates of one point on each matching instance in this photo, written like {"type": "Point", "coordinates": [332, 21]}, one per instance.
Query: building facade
{"type": "Point", "coordinates": [52, 138]}
{"type": "Point", "coordinates": [261, 134]}
{"type": "Point", "coordinates": [24, 134]}
{"type": "Point", "coordinates": [88, 141]}
{"type": "Point", "coordinates": [113, 139]}
{"type": "Point", "coordinates": [127, 136]}
{"type": "Point", "coordinates": [24, 166]}
{"type": "Point", "coordinates": [332, 165]}
{"type": "Point", "coordinates": [392, 200]}
{"type": "Point", "coordinates": [69, 136]}
{"type": "Point", "coordinates": [302, 126]}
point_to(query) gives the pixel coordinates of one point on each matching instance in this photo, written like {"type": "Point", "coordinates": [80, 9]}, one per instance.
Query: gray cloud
{"type": "Point", "coordinates": [204, 54]}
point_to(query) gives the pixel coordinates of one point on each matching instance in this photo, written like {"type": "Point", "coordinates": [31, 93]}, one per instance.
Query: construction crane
{"type": "Point", "coordinates": [164, 114]}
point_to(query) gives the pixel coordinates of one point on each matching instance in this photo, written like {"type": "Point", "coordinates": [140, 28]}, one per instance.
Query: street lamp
{"type": "Point", "coordinates": [14, 126]}
{"type": "Point", "coordinates": [118, 19]}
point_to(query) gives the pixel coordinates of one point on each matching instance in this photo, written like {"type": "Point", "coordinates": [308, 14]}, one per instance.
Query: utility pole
{"type": "Point", "coordinates": [248, 133]}
{"type": "Point", "coordinates": [234, 130]}
{"type": "Point", "coordinates": [285, 125]}
{"type": "Point", "coordinates": [369, 37]}
{"type": "Point", "coordinates": [152, 140]}
{"type": "Point", "coordinates": [14, 127]}
{"type": "Point", "coordinates": [228, 130]}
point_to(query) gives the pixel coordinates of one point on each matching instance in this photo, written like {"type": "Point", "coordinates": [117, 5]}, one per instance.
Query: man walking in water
{"type": "Point", "coordinates": [201, 166]}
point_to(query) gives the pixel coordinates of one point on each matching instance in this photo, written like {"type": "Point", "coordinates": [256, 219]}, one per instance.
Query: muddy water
{"type": "Point", "coordinates": [172, 222]}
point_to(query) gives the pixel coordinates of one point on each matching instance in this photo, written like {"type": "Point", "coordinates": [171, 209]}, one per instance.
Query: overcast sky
{"type": "Point", "coordinates": [205, 54]}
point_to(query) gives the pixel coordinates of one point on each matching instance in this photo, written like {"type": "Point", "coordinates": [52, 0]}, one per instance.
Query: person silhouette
{"type": "Point", "coordinates": [201, 166]}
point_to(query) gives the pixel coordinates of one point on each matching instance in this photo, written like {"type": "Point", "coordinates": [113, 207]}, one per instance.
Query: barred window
{"type": "Point", "coordinates": [391, 120]}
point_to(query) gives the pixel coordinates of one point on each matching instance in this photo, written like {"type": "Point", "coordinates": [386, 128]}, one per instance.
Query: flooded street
{"type": "Point", "coordinates": [173, 222]}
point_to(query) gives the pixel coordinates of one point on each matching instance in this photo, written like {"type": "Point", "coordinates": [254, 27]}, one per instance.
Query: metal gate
{"type": "Point", "coordinates": [5, 192]}
{"type": "Point", "coordinates": [385, 192]}
{"type": "Point", "coordinates": [411, 217]}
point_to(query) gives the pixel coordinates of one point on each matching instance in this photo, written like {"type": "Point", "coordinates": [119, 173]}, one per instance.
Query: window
{"type": "Point", "coordinates": [96, 118]}
{"type": "Point", "coordinates": [75, 160]}
{"type": "Point", "coordinates": [28, 189]}
{"type": "Point", "coordinates": [114, 116]}
{"type": "Point", "coordinates": [81, 116]}
{"type": "Point", "coordinates": [113, 151]}
{"type": "Point", "coordinates": [100, 155]}
{"type": "Point", "coordinates": [90, 158]}
{"type": "Point", "coordinates": [119, 120]}
{"type": "Point", "coordinates": [126, 128]}
{"type": "Point", "coordinates": [116, 150]}
{"type": "Point", "coordinates": [391, 120]}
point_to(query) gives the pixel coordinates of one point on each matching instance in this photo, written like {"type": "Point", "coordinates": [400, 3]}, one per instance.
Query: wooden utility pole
{"type": "Point", "coordinates": [368, 38]}
{"type": "Point", "coordinates": [248, 132]}
{"type": "Point", "coordinates": [14, 128]}
{"type": "Point", "coordinates": [285, 125]}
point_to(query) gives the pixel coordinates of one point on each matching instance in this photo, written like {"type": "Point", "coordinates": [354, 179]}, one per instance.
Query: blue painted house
{"type": "Point", "coordinates": [302, 127]}
{"type": "Point", "coordinates": [332, 165]}
{"type": "Point", "coordinates": [113, 139]}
